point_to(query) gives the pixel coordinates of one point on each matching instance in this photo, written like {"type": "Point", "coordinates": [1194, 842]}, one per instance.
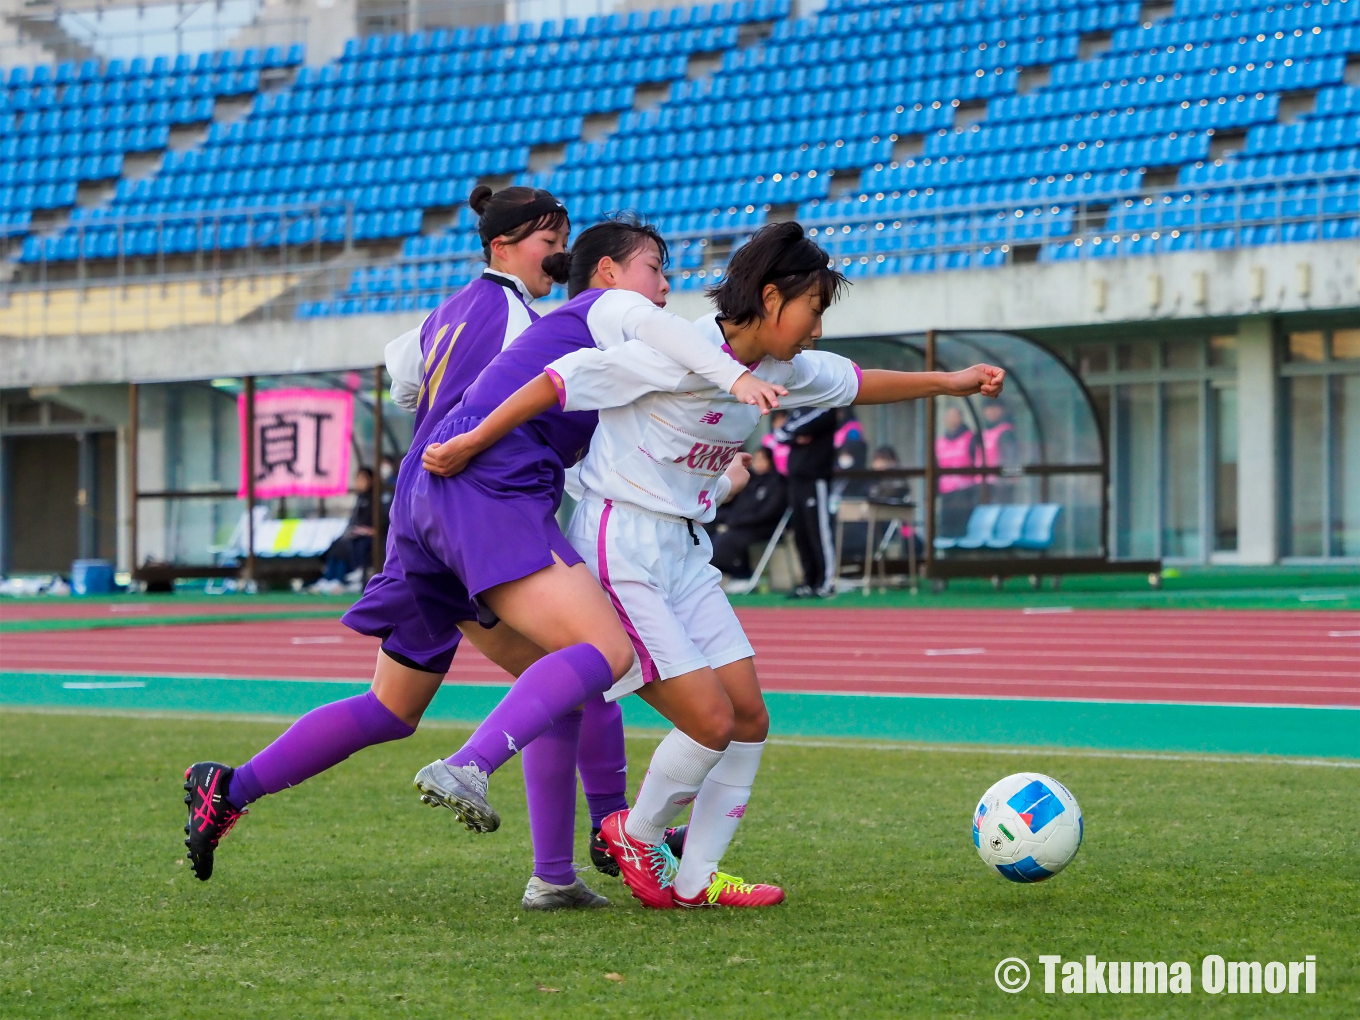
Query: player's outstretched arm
{"type": "Point", "coordinates": [529, 401]}
{"type": "Point", "coordinates": [878, 386]}
{"type": "Point", "coordinates": [681, 341]}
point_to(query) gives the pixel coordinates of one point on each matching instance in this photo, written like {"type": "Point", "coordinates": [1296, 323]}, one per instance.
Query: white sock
{"type": "Point", "coordinates": [678, 768]}
{"type": "Point", "coordinates": [717, 812]}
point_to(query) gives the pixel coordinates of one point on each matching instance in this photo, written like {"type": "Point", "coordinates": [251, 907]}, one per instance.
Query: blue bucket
{"type": "Point", "coordinates": [92, 577]}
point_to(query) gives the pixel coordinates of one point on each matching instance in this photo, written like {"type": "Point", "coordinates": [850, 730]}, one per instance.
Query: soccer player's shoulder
{"type": "Point", "coordinates": [609, 312]}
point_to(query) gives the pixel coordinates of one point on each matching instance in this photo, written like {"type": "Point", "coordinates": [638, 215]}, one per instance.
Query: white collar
{"type": "Point", "coordinates": [519, 284]}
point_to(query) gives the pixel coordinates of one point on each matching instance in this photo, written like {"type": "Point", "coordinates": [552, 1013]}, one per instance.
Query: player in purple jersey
{"type": "Point", "coordinates": [661, 459]}
{"type": "Point", "coordinates": [486, 545]}
{"type": "Point", "coordinates": [431, 367]}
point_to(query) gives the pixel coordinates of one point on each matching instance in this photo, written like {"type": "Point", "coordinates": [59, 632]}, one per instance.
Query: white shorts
{"type": "Point", "coordinates": [666, 592]}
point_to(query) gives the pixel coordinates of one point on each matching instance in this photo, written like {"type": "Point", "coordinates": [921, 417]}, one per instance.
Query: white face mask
{"type": "Point", "coordinates": [845, 461]}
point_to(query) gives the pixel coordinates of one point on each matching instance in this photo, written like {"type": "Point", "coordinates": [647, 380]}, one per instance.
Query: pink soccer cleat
{"type": "Point", "coordinates": [727, 891]}
{"type": "Point", "coordinates": [647, 870]}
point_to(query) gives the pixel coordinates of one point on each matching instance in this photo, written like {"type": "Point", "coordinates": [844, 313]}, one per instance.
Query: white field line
{"type": "Point", "coordinates": [104, 685]}
{"type": "Point", "coordinates": [846, 743]}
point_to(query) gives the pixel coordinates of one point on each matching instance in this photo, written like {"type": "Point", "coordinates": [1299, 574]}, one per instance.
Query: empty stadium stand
{"type": "Point", "coordinates": [911, 136]}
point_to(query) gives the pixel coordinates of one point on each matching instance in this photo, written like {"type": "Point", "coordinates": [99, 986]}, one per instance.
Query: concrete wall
{"type": "Point", "coordinates": [1178, 287]}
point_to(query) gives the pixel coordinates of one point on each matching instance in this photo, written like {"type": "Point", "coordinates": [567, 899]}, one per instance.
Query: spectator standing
{"type": "Point", "coordinates": [750, 517]}
{"type": "Point", "coordinates": [1000, 448]}
{"type": "Point", "coordinates": [956, 447]}
{"type": "Point", "coordinates": [778, 451]}
{"type": "Point", "coordinates": [811, 435]}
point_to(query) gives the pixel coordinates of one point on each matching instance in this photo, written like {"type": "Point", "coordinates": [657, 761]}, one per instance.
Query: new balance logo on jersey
{"type": "Point", "coordinates": [711, 418]}
{"type": "Point", "coordinates": [737, 812]}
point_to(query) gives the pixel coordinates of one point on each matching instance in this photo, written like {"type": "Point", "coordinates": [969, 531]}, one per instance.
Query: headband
{"type": "Point", "coordinates": [498, 222]}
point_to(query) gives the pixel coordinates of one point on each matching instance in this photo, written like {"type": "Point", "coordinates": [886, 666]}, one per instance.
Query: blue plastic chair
{"type": "Point", "coordinates": [1009, 526]}
{"type": "Point", "coordinates": [1037, 534]}
{"type": "Point", "coordinates": [981, 525]}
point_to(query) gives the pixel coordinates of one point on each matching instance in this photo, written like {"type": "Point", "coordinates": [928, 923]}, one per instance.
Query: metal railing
{"type": "Point", "coordinates": [1172, 218]}
{"type": "Point", "coordinates": [72, 32]}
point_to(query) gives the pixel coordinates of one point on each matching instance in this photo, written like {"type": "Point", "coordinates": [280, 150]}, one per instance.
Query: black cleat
{"type": "Point", "coordinates": [606, 865]}
{"type": "Point", "coordinates": [675, 840]}
{"type": "Point", "coordinates": [211, 815]}
{"type": "Point", "coordinates": [600, 856]}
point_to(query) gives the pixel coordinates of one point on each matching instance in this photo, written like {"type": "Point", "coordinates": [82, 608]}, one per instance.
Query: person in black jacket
{"type": "Point", "coordinates": [811, 435]}
{"type": "Point", "coordinates": [749, 518]}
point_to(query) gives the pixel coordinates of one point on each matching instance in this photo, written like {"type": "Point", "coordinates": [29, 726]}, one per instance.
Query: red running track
{"type": "Point", "coordinates": [25, 610]}
{"type": "Point", "coordinates": [1218, 656]}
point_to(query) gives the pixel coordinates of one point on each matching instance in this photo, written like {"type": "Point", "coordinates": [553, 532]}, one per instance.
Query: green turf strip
{"type": "Point", "coordinates": [345, 898]}
{"type": "Point", "coordinates": [1322, 732]}
{"type": "Point", "coordinates": [1323, 588]}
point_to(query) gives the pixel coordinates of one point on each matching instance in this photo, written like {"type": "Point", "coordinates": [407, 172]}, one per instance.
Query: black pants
{"type": "Point", "coordinates": [812, 526]}
{"type": "Point", "coordinates": [732, 549]}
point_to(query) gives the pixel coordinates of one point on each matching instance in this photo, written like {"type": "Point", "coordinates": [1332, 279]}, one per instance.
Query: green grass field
{"type": "Point", "coordinates": [346, 898]}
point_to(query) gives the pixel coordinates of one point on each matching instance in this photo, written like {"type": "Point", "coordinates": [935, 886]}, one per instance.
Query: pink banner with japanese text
{"type": "Point", "coordinates": [301, 442]}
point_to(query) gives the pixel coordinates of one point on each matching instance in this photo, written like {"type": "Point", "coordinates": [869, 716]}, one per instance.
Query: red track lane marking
{"type": "Point", "coordinates": [1131, 655]}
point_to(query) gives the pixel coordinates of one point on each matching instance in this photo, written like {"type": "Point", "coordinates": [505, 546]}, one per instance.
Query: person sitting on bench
{"type": "Point", "coordinates": [749, 518]}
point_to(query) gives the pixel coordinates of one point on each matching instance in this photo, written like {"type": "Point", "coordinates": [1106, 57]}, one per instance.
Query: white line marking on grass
{"type": "Point", "coordinates": [847, 743]}
{"type": "Point", "coordinates": [317, 640]}
{"type": "Point", "coordinates": [1045, 610]}
{"type": "Point", "coordinates": [109, 685]}
{"type": "Point", "coordinates": [956, 651]}
{"type": "Point", "coordinates": [1333, 596]}
{"type": "Point", "coordinates": [1065, 752]}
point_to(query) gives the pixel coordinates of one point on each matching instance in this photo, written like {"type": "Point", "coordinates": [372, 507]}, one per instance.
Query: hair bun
{"type": "Point", "coordinates": [558, 266]}
{"type": "Point", "coordinates": [480, 196]}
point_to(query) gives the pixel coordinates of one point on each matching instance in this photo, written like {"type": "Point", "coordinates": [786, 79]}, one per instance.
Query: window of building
{"type": "Point", "coordinates": [1223, 433]}
{"type": "Point", "coordinates": [1305, 346]}
{"type": "Point", "coordinates": [1223, 352]}
{"type": "Point", "coordinates": [1320, 399]}
{"type": "Point", "coordinates": [1346, 345]}
{"type": "Point", "coordinates": [1170, 410]}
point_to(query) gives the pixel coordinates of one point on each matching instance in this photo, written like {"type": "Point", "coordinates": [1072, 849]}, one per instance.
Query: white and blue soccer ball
{"type": "Point", "coordinates": [1027, 827]}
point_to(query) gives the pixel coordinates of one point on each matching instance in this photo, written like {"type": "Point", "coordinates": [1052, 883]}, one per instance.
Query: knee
{"type": "Point", "coordinates": [751, 723]}
{"type": "Point", "coordinates": [620, 656]}
{"type": "Point", "coordinates": [713, 726]}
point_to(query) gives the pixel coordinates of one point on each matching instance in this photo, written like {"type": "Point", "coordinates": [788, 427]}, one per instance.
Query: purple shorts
{"type": "Point", "coordinates": [388, 610]}
{"type": "Point", "coordinates": [493, 523]}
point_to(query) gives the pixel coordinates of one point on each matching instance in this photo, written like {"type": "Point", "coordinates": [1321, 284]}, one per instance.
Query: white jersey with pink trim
{"type": "Point", "coordinates": [666, 435]}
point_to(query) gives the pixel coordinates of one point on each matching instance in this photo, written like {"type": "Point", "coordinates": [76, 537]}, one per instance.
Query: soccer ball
{"type": "Point", "coordinates": [1027, 827]}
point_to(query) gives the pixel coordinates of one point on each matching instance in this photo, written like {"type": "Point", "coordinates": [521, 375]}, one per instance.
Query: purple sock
{"type": "Point", "coordinates": [548, 689]}
{"type": "Point", "coordinates": [322, 738]}
{"type": "Point", "coordinates": [601, 759]}
{"type": "Point", "coordinates": [550, 785]}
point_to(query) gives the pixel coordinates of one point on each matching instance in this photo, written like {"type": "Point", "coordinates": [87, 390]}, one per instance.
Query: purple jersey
{"type": "Point", "coordinates": [459, 339]}
{"type": "Point", "coordinates": [566, 433]}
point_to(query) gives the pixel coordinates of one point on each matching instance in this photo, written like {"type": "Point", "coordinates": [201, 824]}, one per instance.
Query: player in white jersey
{"type": "Point", "coordinates": [666, 453]}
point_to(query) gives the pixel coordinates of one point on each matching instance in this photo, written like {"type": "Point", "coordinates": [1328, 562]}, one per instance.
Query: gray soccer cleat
{"type": "Point", "coordinates": [541, 895]}
{"type": "Point", "coordinates": [462, 791]}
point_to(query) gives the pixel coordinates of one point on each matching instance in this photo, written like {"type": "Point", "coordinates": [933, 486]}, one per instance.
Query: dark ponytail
{"type": "Point", "coordinates": [514, 213]}
{"type": "Point", "coordinates": [618, 238]}
{"type": "Point", "coordinates": [779, 254]}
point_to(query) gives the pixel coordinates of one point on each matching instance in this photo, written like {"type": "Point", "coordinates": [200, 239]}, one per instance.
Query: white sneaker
{"type": "Point", "coordinates": [541, 895]}
{"type": "Point", "coordinates": [462, 791]}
